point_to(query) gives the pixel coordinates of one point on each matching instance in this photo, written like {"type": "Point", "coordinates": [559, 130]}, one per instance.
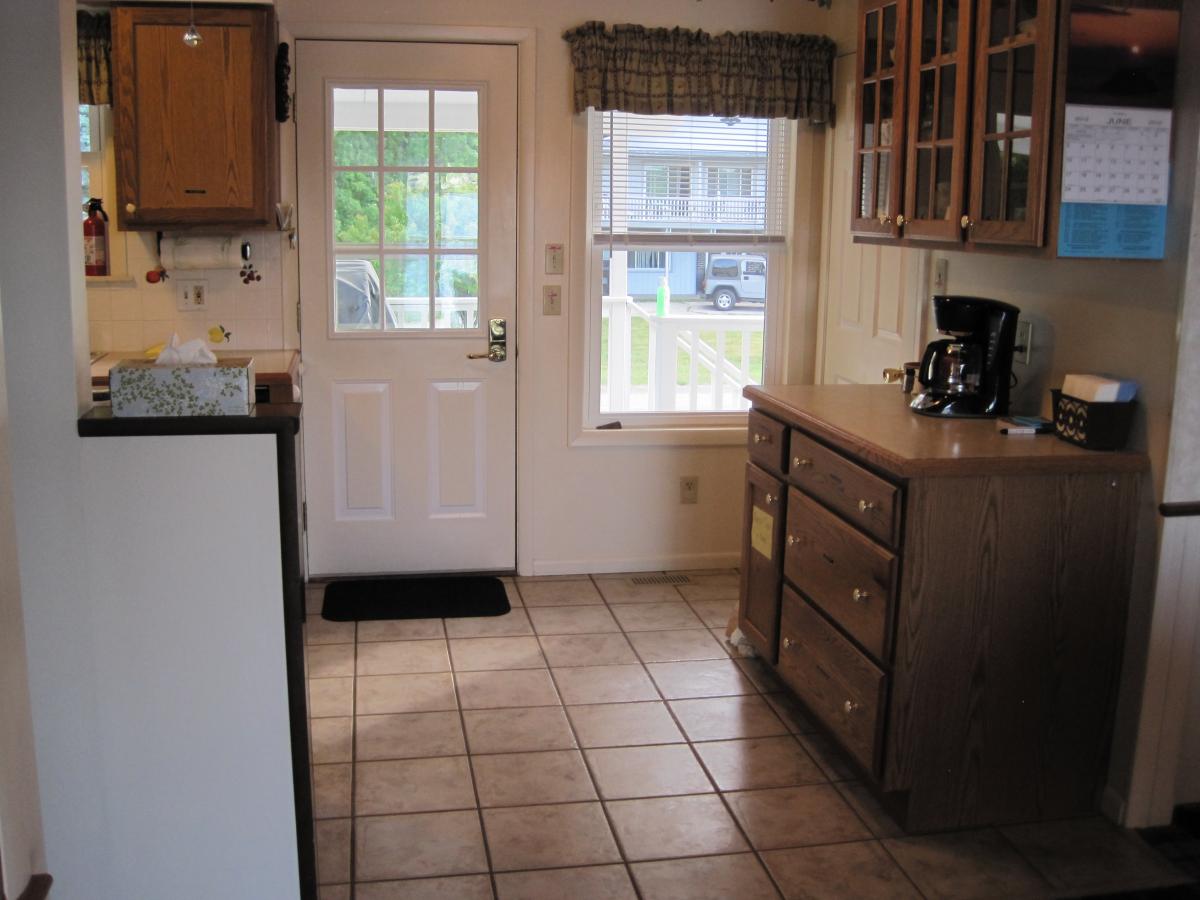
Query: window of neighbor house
{"type": "Point", "coordinates": [688, 237]}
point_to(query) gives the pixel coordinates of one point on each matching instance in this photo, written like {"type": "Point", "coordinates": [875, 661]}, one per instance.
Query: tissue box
{"type": "Point", "coordinates": [139, 387]}
{"type": "Point", "coordinates": [1097, 426]}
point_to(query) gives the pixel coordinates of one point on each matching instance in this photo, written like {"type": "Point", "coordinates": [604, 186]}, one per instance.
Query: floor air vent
{"type": "Point", "coordinates": [661, 579]}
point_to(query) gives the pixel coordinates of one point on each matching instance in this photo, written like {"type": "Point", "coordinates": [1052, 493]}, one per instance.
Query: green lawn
{"type": "Point", "coordinates": [640, 352]}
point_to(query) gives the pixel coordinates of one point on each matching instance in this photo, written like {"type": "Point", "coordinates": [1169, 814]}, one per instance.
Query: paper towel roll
{"type": "Point", "coordinates": [189, 252]}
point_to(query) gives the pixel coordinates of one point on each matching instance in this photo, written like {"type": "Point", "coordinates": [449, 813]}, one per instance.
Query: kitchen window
{"type": "Point", "coordinates": [688, 239]}
{"type": "Point", "coordinates": [98, 178]}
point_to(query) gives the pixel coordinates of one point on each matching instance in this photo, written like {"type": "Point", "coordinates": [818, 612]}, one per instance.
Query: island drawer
{"type": "Point", "coordinates": [766, 440]}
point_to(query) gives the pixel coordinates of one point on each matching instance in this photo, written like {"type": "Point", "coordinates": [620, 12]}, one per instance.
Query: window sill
{"type": "Point", "coordinates": [662, 436]}
{"type": "Point", "coordinates": [111, 281]}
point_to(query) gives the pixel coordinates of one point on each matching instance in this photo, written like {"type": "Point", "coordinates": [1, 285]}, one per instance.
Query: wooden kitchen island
{"type": "Point", "coordinates": [948, 602]}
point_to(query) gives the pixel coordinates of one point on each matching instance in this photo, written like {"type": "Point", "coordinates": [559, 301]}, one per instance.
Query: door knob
{"type": "Point", "coordinates": [865, 505]}
{"type": "Point", "coordinates": [966, 222]}
{"type": "Point", "coordinates": [900, 220]}
{"type": "Point", "coordinates": [851, 707]}
{"type": "Point", "coordinates": [859, 596]}
{"type": "Point", "coordinates": [130, 208]}
{"type": "Point", "coordinates": [497, 350]}
{"type": "Point", "coordinates": [788, 643]}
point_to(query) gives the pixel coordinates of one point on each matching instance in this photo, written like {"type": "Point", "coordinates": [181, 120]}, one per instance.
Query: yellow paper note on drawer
{"type": "Point", "coordinates": [762, 524]}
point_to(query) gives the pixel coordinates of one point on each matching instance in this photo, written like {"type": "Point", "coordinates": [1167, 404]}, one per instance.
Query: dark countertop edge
{"type": "Point", "coordinates": [267, 418]}
{"type": "Point", "coordinates": [1094, 461]}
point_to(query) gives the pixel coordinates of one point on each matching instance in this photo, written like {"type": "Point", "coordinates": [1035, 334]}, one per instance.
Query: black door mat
{"type": "Point", "coordinates": [440, 597]}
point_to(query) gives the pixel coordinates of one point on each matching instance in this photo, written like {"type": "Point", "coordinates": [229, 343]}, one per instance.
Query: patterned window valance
{"type": "Point", "coordinates": [95, 64]}
{"type": "Point", "coordinates": [651, 71]}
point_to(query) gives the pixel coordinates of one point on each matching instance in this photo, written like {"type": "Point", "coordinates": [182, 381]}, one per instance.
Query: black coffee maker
{"type": "Point", "coordinates": [969, 374]}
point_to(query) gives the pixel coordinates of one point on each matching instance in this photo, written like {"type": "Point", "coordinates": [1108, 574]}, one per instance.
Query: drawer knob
{"type": "Point", "coordinates": [864, 505]}
{"type": "Point", "coordinates": [798, 463]}
{"type": "Point", "coordinates": [130, 208]}
{"type": "Point", "coordinates": [860, 596]}
{"type": "Point", "coordinates": [791, 540]}
{"type": "Point", "coordinates": [770, 499]}
{"type": "Point", "coordinates": [762, 439]}
{"type": "Point", "coordinates": [851, 707]}
{"type": "Point", "coordinates": [788, 643]}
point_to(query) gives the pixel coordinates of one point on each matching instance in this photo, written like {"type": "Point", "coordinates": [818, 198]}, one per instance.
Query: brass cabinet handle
{"type": "Point", "coordinates": [966, 222]}
{"type": "Point", "coordinates": [864, 505]}
{"type": "Point", "coordinates": [130, 208]}
{"type": "Point", "coordinates": [762, 439]}
{"type": "Point", "coordinates": [885, 219]}
{"type": "Point", "coordinates": [891, 376]}
{"type": "Point", "coordinates": [791, 540]}
{"type": "Point", "coordinates": [851, 707]}
{"type": "Point", "coordinates": [900, 220]}
{"type": "Point", "coordinates": [770, 499]}
{"type": "Point", "coordinates": [788, 643]}
{"type": "Point", "coordinates": [798, 463]}
{"type": "Point", "coordinates": [859, 596]}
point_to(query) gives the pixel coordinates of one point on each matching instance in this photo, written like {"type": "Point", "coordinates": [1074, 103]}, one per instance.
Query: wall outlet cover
{"type": "Point", "coordinates": [689, 489]}
{"type": "Point", "coordinates": [551, 300]}
{"type": "Point", "coordinates": [192, 296]}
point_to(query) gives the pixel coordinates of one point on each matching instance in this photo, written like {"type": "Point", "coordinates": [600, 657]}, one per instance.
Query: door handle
{"type": "Point", "coordinates": [497, 350]}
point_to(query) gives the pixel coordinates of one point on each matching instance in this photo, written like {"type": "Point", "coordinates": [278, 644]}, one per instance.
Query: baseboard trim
{"type": "Point", "coordinates": [37, 889]}
{"type": "Point", "coordinates": [1112, 804]}
{"type": "Point", "coordinates": [676, 562]}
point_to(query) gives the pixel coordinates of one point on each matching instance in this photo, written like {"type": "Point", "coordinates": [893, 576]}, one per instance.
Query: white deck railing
{"type": "Point", "coordinates": [668, 336]}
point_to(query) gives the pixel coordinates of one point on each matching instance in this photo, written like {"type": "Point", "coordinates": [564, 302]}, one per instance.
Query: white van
{"type": "Point", "coordinates": [730, 277]}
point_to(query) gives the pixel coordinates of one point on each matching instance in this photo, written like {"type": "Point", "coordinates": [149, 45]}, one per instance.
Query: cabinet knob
{"type": "Point", "coordinates": [130, 208]}
{"type": "Point", "coordinates": [860, 596]}
{"type": "Point", "coordinates": [788, 643]}
{"type": "Point", "coordinates": [900, 220]}
{"type": "Point", "coordinates": [851, 707]}
{"type": "Point", "coordinates": [798, 463]}
{"type": "Point", "coordinates": [791, 540]}
{"type": "Point", "coordinates": [864, 505]}
{"type": "Point", "coordinates": [762, 439]}
{"type": "Point", "coordinates": [770, 499]}
{"type": "Point", "coordinates": [885, 219]}
{"type": "Point", "coordinates": [966, 222]}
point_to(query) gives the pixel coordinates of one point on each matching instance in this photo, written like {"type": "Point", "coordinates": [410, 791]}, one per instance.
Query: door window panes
{"type": "Point", "coordinates": [406, 187]}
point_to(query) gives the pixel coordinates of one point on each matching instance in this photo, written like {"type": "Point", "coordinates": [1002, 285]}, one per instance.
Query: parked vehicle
{"type": "Point", "coordinates": [731, 277]}
{"type": "Point", "coordinates": [358, 293]}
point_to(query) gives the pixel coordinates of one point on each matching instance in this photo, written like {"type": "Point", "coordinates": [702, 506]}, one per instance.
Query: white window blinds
{"type": "Point", "coordinates": [689, 179]}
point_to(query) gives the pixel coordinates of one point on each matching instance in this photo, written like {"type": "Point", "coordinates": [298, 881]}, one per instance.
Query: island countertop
{"type": "Point", "coordinates": [875, 423]}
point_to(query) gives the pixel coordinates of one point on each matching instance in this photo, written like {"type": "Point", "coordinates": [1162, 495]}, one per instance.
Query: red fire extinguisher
{"type": "Point", "coordinates": [95, 238]}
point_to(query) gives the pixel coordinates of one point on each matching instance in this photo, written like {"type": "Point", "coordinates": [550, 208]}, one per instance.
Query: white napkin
{"type": "Point", "coordinates": [193, 352]}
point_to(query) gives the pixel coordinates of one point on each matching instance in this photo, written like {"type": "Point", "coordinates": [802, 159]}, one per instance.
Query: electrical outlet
{"type": "Point", "coordinates": [551, 300]}
{"type": "Point", "coordinates": [689, 488]}
{"type": "Point", "coordinates": [193, 295]}
{"type": "Point", "coordinates": [1024, 342]}
{"type": "Point", "coordinates": [941, 275]}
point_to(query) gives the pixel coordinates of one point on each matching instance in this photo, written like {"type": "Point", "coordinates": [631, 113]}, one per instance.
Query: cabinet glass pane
{"type": "Point", "coordinates": [355, 127]}
{"type": "Point", "coordinates": [868, 116]}
{"type": "Point", "coordinates": [871, 44]}
{"type": "Point", "coordinates": [356, 287]}
{"type": "Point", "coordinates": [1017, 201]}
{"type": "Point", "coordinates": [457, 301]}
{"type": "Point", "coordinates": [406, 289]}
{"type": "Point", "coordinates": [356, 208]}
{"type": "Point", "coordinates": [996, 119]}
{"type": "Point", "coordinates": [993, 178]}
{"type": "Point", "coordinates": [406, 128]}
{"type": "Point", "coordinates": [1027, 11]}
{"type": "Point", "coordinates": [1000, 23]}
{"type": "Point", "coordinates": [929, 13]}
{"type": "Point", "coordinates": [946, 102]}
{"type": "Point", "coordinates": [888, 56]}
{"type": "Point", "coordinates": [406, 209]}
{"type": "Point", "coordinates": [887, 93]}
{"type": "Point", "coordinates": [456, 205]}
{"type": "Point", "coordinates": [949, 26]}
{"type": "Point", "coordinates": [941, 189]}
{"type": "Point", "coordinates": [1022, 103]}
{"type": "Point", "coordinates": [883, 193]}
{"type": "Point", "coordinates": [924, 171]}
{"type": "Point", "coordinates": [456, 128]}
{"type": "Point", "coordinates": [925, 106]}
{"type": "Point", "coordinates": [866, 186]}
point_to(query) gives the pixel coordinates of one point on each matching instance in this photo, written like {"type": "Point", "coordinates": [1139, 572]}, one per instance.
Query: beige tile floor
{"type": "Point", "coordinates": [602, 741]}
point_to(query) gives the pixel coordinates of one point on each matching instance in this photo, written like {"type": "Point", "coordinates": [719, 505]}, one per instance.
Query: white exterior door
{"type": "Point", "coordinates": [871, 296]}
{"type": "Point", "coordinates": [407, 218]}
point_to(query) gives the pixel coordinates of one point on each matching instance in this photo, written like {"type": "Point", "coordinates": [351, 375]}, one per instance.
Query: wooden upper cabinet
{"type": "Point", "coordinates": [879, 117]}
{"type": "Point", "coordinates": [1010, 141]}
{"type": "Point", "coordinates": [938, 119]}
{"type": "Point", "coordinates": [195, 135]}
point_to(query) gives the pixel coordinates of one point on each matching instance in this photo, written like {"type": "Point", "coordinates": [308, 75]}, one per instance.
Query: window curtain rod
{"type": "Point", "coordinates": [673, 71]}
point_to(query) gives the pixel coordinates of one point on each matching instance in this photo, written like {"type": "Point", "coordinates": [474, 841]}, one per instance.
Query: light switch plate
{"type": "Point", "coordinates": [551, 300]}
{"type": "Point", "coordinates": [191, 296]}
{"type": "Point", "coordinates": [554, 259]}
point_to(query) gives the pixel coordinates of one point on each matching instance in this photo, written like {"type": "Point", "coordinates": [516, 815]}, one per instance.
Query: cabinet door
{"type": "Point", "coordinates": [762, 561]}
{"type": "Point", "coordinates": [879, 116]}
{"type": "Point", "coordinates": [939, 102]}
{"type": "Point", "coordinates": [1011, 133]}
{"type": "Point", "coordinates": [195, 131]}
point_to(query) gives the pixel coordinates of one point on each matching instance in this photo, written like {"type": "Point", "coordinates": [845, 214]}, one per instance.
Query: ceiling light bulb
{"type": "Point", "coordinates": [192, 37]}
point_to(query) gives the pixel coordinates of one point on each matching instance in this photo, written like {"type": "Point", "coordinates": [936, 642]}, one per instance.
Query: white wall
{"type": "Point", "coordinates": [21, 848]}
{"type": "Point", "coordinates": [594, 508]}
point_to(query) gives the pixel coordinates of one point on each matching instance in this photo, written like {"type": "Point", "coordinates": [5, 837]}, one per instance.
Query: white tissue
{"type": "Point", "coordinates": [193, 352]}
{"type": "Point", "coordinates": [1099, 389]}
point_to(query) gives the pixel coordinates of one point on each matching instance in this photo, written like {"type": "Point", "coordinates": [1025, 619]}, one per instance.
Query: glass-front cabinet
{"type": "Point", "coordinates": [879, 123]}
{"type": "Point", "coordinates": [952, 127]}
{"type": "Point", "coordinates": [1010, 142]}
{"type": "Point", "coordinates": [938, 119]}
